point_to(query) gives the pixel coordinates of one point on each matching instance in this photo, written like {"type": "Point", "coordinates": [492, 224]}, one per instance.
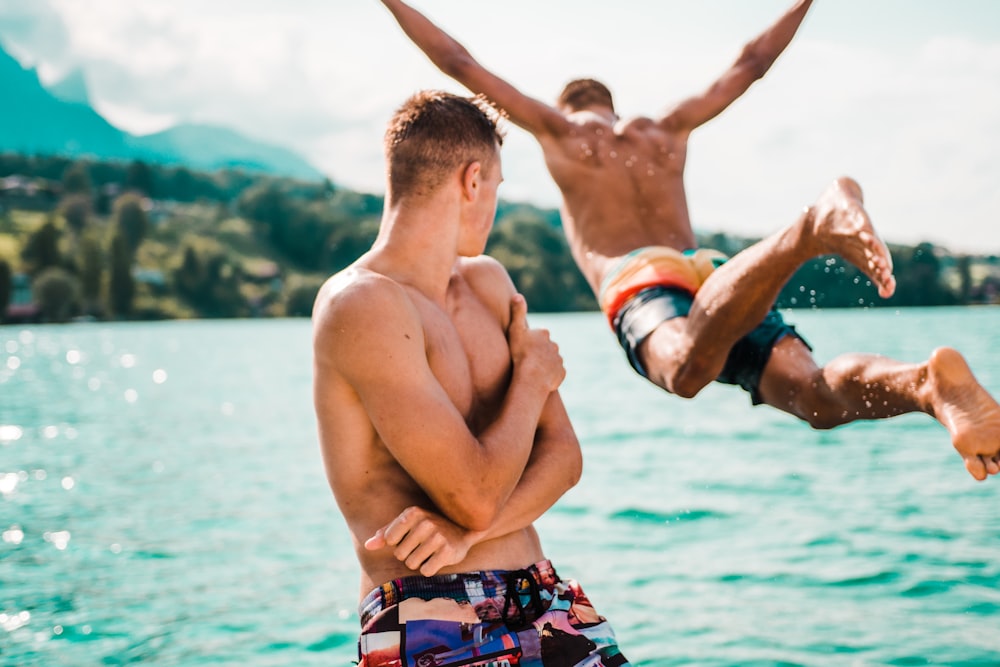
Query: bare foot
{"type": "Point", "coordinates": [842, 227]}
{"type": "Point", "coordinates": [966, 409]}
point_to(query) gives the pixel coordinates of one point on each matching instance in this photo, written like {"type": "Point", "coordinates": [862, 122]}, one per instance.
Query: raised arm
{"type": "Point", "coordinates": [455, 60]}
{"type": "Point", "coordinates": [372, 337]}
{"type": "Point", "coordinates": [754, 61]}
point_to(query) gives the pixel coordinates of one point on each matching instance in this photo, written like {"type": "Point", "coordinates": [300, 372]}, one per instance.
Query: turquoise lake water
{"type": "Point", "coordinates": [162, 502]}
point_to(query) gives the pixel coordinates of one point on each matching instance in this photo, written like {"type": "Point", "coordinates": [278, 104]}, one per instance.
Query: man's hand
{"type": "Point", "coordinates": [531, 350]}
{"type": "Point", "coordinates": [423, 540]}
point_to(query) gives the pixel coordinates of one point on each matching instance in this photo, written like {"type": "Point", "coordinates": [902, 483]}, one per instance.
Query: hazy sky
{"type": "Point", "coordinates": [904, 95]}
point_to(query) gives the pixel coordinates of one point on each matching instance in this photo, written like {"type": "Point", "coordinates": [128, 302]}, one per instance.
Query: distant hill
{"type": "Point", "coordinates": [61, 121]}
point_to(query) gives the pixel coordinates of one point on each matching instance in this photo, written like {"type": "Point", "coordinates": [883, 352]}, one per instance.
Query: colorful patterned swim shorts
{"type": "Point", "coordinates": [493, 618]}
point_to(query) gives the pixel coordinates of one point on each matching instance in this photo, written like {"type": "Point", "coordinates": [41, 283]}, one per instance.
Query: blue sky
{"type": "Point", "coordinates": [904, 95]}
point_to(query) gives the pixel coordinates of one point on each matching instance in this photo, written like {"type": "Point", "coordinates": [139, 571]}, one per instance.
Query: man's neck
{"type": "Point", "coordinates": [417, 247]}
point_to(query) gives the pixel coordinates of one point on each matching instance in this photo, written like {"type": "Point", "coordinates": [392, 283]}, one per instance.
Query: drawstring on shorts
{"type": "Point", "coordinates": [513, 580]}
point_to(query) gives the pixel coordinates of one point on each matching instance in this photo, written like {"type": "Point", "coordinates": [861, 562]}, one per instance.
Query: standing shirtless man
{"type": "Point", "coordinates": [687, 316]}
{"type": "Point", "coordinates": [443, 435]}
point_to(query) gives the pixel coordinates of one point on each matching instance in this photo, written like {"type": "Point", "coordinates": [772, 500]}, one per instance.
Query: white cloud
{"type": "Point", "coordinates": [909, 110]}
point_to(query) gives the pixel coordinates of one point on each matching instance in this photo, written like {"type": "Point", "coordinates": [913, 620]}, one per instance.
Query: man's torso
{"type": "Point", "coordinates": [622, 189]}
{"type": "Point", "coordinates": [467, 352]}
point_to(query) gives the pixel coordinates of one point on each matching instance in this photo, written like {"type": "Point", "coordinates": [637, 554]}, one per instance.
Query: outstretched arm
{"type": "Point", "coordinates": [427, 541]}
{"type": "Point", "coordinates": [455, 60]}
{"type": "Point", "coordinates": [756, 58]}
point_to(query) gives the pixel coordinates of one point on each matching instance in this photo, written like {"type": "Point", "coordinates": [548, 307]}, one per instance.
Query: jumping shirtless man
{"type": "Point", "coordinates": [687, 316]}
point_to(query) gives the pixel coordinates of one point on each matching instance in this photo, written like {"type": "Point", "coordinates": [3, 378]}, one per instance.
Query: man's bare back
{"type": "Point", "coordinates": [683, 320]}
{"type": "Point", "coordinates": [623, 188]}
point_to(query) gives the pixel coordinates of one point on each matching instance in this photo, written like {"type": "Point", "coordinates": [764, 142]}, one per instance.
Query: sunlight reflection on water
{"type": "Point", "coordinates": [162, 500]}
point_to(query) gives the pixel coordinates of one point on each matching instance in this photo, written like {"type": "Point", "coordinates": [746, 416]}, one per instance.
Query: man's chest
{"type": "Point", "coordinates": [467, 352]}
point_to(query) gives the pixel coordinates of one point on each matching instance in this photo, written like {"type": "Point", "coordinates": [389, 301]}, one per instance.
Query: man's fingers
{"type": "Point", "coordinates": [376, 541]}
{"type": "Point", "coordinates": [423, 552]}
{"type": "Point", "coordinates": [400, 526]}
{"type": "Point", "coordinates": [518, 312]}
{"type": "Point", "coordinates": [433, 564]}
{"type": "Point", "coordinates": [415, 539]}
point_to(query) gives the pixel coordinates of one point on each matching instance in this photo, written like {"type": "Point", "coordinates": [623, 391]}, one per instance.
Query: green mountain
{"type": "Point", "coordinates": [60, 121]}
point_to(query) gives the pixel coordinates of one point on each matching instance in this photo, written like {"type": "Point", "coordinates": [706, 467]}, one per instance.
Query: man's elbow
{"type": "Point", "coordinates": [573, 462]}
{"type": "Point", "coordinates": [473, 510]}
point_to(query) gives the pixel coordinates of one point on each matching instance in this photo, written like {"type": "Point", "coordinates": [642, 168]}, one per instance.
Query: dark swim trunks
{"type": "Point", "coordinates": [526, 617]}
{"type": "Point", "coordinates": [651, 307]}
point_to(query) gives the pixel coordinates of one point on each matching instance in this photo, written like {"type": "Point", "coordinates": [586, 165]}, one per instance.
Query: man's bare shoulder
{"type": "Point", "coordinates": [484, 267]}
{"type": "Point", "coordinates": [356, 302]}
{"type": "Point", "coordinates": [491, 283]}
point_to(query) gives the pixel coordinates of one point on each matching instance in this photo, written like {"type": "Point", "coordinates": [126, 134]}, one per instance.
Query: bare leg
{"type": "Point", "coordinates": [866, 386]}
{"type": "Point", "coordinates": [685, 354]}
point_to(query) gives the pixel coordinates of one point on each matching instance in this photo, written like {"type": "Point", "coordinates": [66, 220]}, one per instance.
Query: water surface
{"type": "Point", "coordinates": [162, 502]}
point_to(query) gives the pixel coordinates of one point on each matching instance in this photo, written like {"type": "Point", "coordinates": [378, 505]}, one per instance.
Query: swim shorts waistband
{"type": "Point", "coordinates": [655, 266]}
{"type": "Point", "coordinates": [463, 587]}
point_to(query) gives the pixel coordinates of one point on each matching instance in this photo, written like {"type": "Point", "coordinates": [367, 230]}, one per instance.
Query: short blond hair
{"type": "Point", "coordinates": [432, 134]}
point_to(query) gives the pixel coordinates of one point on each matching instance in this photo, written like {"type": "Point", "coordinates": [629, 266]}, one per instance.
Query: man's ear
{"type": "Point", "coordinates": [470, 180]}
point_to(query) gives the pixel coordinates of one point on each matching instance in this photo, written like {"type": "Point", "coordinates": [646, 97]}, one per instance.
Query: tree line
{"type": "Point", "coordinates": [109, 240]}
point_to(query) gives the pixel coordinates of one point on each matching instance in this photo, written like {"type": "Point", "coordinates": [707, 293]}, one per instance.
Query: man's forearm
{"type": "Point", "coordinates": [766, 48]}
{"type": "Point", "coordinates": [440, 47]}
{"type": "Point", "coordinates": [554, 467]}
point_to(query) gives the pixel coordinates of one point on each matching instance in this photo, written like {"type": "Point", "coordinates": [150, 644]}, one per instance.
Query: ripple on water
{"type": "Point", "coordinates": [876, 579]}
{"type": "Point", "coordinates": [928, 588]}
{"type": "Point", "coordinates": [333, 641]}
{"type": "Point", "coordinates": [636, 515]}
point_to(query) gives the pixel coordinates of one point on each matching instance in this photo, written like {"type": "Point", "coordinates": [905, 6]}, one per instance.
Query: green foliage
{"type": "Point", "coordinates": [6, 286]}
{"type": "Point", "coordinates": [348, 241]}
{"type": "Point", "coordinates": [76, 179]}
{"type": "Point", "coordinates": [41, 251]}
{"type": "Point", "coordinates": [538, 260]}
{"type": "Point", "coordinates": [130, 219]}
{"type": "Point", "coordinates": [919, 278]}
{"type": "Point", "coordinates": [231, 244]}
{"type": "Point", "coordinates": [75, 210]}
{"type": "Point", "coordinates": [828, 282]}
{"type": "Point", "coordinates": [209, 279]}
{"type": "Point", "coordinates": [300, 295]}
{"type": "Point", "coordinates": [90, 269]}
{"type": "Point", "coordinates": [121, 285]}
{"type": "Point", "coordinates": [139, 178]}
{"type": "Point", "coordinates": [57, 292]}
